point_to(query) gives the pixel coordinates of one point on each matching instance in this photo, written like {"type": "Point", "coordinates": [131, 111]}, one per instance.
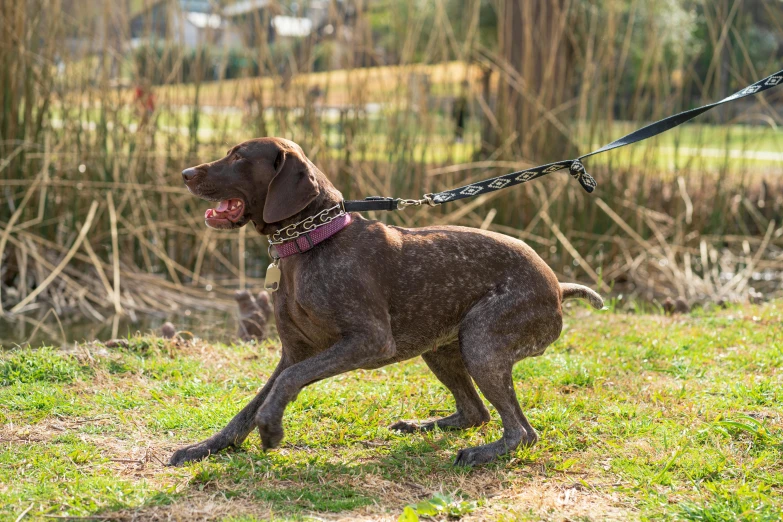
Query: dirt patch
{"type": "Point", "coordinates": [547, 501]}
{"type": "Point", "coordinates": [564, 501]}
{"type": "Point", "coordinates": [48, 428]}
{"type": "Point", "coordinates": [195, 508]}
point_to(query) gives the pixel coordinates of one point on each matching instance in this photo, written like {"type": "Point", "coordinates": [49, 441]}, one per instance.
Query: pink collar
{"type": "Point", "coordinates": [309, 239]}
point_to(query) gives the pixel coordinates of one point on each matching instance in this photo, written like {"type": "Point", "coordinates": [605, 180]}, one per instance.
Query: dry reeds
{"type": "Point", "coordinates": [94, 217]}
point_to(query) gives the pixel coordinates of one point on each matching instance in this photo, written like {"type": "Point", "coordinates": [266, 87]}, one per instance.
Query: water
{"type": "Point", "coordinates": [47, 329]}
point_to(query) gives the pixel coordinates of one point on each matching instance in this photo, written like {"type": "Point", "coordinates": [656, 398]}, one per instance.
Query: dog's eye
{"type": "Point", "coordinates": [236, 156]}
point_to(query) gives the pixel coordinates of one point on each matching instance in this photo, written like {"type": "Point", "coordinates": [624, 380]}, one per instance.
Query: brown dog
{"type": "Point", "coordinates": [470, 302]}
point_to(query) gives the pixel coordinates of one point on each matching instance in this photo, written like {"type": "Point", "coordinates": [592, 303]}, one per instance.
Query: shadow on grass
{"type": "Point", "coordinates": [296, 482]}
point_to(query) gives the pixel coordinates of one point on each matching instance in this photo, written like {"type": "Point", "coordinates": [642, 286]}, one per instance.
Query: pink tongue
{"type": "Point", "coordinates": [223, 206]}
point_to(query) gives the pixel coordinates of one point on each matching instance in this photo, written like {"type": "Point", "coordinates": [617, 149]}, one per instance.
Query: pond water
{"type": "Point", "coordinates": [47, 329]}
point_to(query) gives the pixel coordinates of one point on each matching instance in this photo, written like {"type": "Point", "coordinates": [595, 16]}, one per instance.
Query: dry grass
{"type": "Point", "coordinates": [666, 224]}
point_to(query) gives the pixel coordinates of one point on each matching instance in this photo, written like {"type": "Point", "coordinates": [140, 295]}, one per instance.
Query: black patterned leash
{"type": "Point", "coordinates": [574, 166]}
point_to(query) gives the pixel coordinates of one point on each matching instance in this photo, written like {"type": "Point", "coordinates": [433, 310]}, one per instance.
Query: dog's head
{"type": "Point", "coordinates": [265, 180]}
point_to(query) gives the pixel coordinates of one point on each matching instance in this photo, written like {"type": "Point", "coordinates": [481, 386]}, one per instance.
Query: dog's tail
{"type": "Point", "coordinates": [573, 291]}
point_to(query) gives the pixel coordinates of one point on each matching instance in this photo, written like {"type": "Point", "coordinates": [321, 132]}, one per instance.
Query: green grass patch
{"type": "Point", "coordinates": [640, 416]}
{"type": "Point", "coordinates": [45, 365]}
{"type": "Point", "coordinates": [325, 498]}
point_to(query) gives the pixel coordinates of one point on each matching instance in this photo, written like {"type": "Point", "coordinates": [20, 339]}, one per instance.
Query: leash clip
{"type": "Point", "coordinates": [426, 200]}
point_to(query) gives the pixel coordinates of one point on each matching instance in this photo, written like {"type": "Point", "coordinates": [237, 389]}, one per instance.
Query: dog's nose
{"type": "Point", "coordinates": [188, 174]}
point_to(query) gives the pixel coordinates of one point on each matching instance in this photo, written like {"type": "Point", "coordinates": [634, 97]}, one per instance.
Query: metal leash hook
{"type": "Point", "coordinates": [426, 200]}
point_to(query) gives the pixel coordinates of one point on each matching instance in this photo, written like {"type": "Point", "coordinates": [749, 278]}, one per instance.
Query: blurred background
{"type": "Point", "coordinates": [104, 102]}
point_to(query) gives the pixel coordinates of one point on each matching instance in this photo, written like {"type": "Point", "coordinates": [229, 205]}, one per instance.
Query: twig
{"type": "Point", "coordinates": [158, 251]}
{"type": "Point", "coordinates": [128, 461]}
{"type": "Point", "coordinates": [658, 216]}
{"type": "Point", "coordinates": [8, 159]}
{"type": "Point", "coordinates": [675, 274]}
{"type": "Point", "coordinates": [115, 250]}
{"type": "Point", "coordinates": [205, 239]}
{"type": "Point", "coordinates": [465, 209]}
{"type": "Point", "coordinates": [40, 324]}
{"type": "Point", "coordinates": [624, 225]}
{"type": "Point", "coordinates": [128, 274]}
{"type": "Point", "coordinates": [571, 250]}
{"type": "Point", "coordinates": [760, 220]}
{"type": "Point", "coordinates": [12, 221]}
{"type": "Point", "coordinates": [95, 517]}
{"type": "Point", "coordinates": [451, 169]}
{"type": "Point", "coordinates": [544, 206]}
{"type": "Point", "coordinates": [741, 279]}
{"type": "Point", "coordinates": [46, 264]}
{"type": "Point", "coordinates": [76, 244]}
{"type": "Point", "coordinates": [705, 266]}
{"type": "Point", "coordinates": [687, 199]}
{"type": "Point", "coordinates": [521, 234]}
{"type": "Point", "coordinates": [242, 233]}
{"type": "Point", "coordinates": [488, 220]}
{"type": "Point", "coordinates": [142, 203]}
{"type": "Point", "coordinates": [98, 268]}
{"type": "Point", "coordinates": [36, 324]}
{"type": "Point", "coordinates": [25, 512]}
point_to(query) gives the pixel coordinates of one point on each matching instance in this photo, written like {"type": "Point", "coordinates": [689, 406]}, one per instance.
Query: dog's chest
{"type": "Point", "coordinates": [305, 330]}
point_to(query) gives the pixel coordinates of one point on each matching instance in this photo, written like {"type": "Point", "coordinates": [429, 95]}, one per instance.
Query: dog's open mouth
{"type": "Point", "coordinates": [226, 214]}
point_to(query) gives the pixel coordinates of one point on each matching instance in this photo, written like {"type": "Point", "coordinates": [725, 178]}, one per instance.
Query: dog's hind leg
{"type": "Point", "coordinates": [235, 432]}
{"type": "Point", "coordinates": [498, 331]}
{"type": "Point", "coordinates": [497, 386]}
{"type": "Point", "coordinates": [446, 363]}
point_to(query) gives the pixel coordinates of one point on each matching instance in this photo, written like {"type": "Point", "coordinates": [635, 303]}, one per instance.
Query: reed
{"type": "Point", "coordinates": [672, 217]}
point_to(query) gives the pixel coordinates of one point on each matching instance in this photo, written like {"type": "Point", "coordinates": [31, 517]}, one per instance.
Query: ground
{"type": "Point", "coordinates": [639, 417]}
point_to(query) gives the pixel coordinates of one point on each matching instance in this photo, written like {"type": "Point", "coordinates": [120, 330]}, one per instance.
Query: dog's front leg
{"type": "Point", "coordinates": [235, 431]}
{"type": "Point", "coordinates": [351, 353]}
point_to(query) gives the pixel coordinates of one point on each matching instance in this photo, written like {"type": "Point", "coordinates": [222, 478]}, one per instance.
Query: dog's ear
{"type": "Point", "coordinates": [292, 189]}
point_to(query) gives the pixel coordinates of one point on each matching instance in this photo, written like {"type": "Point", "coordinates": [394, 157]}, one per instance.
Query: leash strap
{"type": "Point", "coordinates": [371, 203]}
{"type": "Point", "coordinates": [574, 166]}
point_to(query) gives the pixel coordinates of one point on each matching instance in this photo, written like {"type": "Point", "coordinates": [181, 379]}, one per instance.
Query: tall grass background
{"type": "Point", "coordinates": [95, 221]}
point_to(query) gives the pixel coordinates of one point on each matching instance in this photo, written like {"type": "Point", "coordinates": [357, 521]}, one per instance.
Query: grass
{"type": "Point", "coordinates": [698, 145]}
{"type": "Point", "coordinates": [339, 87]}
{"type": "Point", "coordinates": [701, 147]}
{"type": "Point", "coordinates": [640, 417]}
{"type": "Point", "coordinates": [704, 149]}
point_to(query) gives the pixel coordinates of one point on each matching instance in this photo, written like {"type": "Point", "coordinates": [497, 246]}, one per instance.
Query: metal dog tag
{"type": "Point", "coordinates": [272, 279]}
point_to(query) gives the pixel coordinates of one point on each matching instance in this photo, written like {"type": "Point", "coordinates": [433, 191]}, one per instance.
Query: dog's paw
{"type": "Point", "coordinates": [271, 434]}
{"type": "Point", "coordinates": [405, 427]}
{"type": "Point", "coordinates": [191, 453]}
{"type": "Point", "coordinates": [475, 456]}
{"type": "Point", "coordinates": [530, 438]}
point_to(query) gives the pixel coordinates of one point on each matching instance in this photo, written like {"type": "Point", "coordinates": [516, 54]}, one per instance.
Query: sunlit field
{"type": "Point", "coordinates": [639, 417]}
